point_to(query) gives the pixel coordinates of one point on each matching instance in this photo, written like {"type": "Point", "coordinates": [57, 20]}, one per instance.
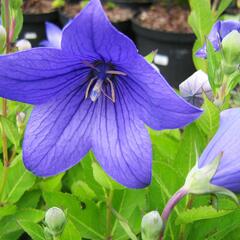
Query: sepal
{"type": "Point", "coordinates": [198, 180]}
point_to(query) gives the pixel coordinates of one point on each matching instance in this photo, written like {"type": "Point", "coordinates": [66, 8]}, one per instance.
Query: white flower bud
{"type": "Point", "coordinates": [192, 88]}
{"type": "Point", "coordinates": [20, 119]}
{"type": "Point", "coordinates": [198, 180]}
{"type": "Point", "coordinates": [55, 220]}
{"type": "Point", "coordinates": [23, 44]}
{"type": "Point", "coordinates": [151, 226]}
{"type": "Point", "coordinates": [3, 36]}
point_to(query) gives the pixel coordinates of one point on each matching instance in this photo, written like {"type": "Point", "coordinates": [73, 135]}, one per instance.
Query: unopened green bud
{"type": "Point", "coordinates": [231, 48]}
{"type": "Point", "coordinates": [3, 35]}
{"type": "Point", "coordinates": [55, 220]}
{"type": "Point", "coordinates": [151, 226]}
{"type": "Point", "coordinates": [23, 44]}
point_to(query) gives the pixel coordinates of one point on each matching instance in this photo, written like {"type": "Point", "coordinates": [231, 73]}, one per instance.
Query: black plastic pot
{"type": "Point", "coordinates": [124, 27]}
{"type": "Point", "coordinates": [34, 26]}
{"type": "Point", "coordinates": [72, 1]}
{"type": "Point", "coordinates": [174, 58]}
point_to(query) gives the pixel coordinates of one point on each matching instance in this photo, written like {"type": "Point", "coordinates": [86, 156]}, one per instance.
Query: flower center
{"type": "Point", "coordinates": [102, 80]}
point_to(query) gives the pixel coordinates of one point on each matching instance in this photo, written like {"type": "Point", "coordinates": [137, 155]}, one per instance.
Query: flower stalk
{"type": "Point", "coordinates": [170, 205]}
{"type": "Point", "coordinates": [6, 161]}
{"type": "Point", "coordinates": [109, 199]}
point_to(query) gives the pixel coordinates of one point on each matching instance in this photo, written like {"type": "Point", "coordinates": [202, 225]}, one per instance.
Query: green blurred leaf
{"type": "Point", "coordinates": [52, 183]}
{"type": "Point", "coordinates": [222, 7]}
{"type": "Point", "coordinates": [32, 229]}
{"type": "Point", "coordinates": [19, 180]}
{"type": "Point", "coordinates": [201, 20]}
{"type": "Point", "coordinates": [82, 190]}
{"type": "Point", "coordinates": [213, 59]}
{"type": "Point", "coordinates": [30, 199]}
{"type": "Point", "coordinates": [70, 232]}
{"type": "Point", "coordinates": [10, 130]}
{"type": "Point", "coordinates": [9, 227]}
{"type": "Point", "coordinates": [7, 210]}
{"type": "Point", "coordinates": [196, 214]}
{"type": "Point", "coordinates": [209, 120]}
{"type": "Point", "coordinates": [150, 56]}
{"type": "Point", "coordinates": [103, 179]}
{"type": "Point", "coordinates": [124, 223]}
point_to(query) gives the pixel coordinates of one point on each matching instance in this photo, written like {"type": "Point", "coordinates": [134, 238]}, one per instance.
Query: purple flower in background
{"type": "Point", "coordinates": [219, 31]}
{"type": "Point", "coordinates": [96, 92]}
{"type": "Point", "coordinates": [54, 36]}
{"type": "Point", "coordinates": [226, 141]}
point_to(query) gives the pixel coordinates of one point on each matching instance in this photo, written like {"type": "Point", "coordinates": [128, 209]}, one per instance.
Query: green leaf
{"type": "Point", "coordinates": [19, 181]}
{"type": "Point", "coordinates": [103, 179]}
{"type": "Point", "coordinates": [9, 227]}
{"type": "Point", "coordinates": [29, 199]}
{"type": "Point", "coordinates": [209, 120]}
{"type": "Point", "coordinates": [222, 7]}
{"type": "Point", "coordinates": [124, 202]}
{"type": "Point", "coordinates": [70, 232]}
{"type": "Point", "coordinates": [196, 214]}
{"type": "Point", "coordinates": [150, 56]}
{"type": "Point", "coordinates": [32, 229]}
{"type": "Point", "coordinates": [125, 225]}
{"type": "Point", "coordinates": [82, 190]}
{"type": "Point", "coordinates": [201, 18]}
{"type": "Point", "coordinates": [52, 183]}
{"type": "Point", "coordinates": [10, 130]}
{"type": "Point", "coordinates": [7, 210]}
{"type": "Point", "coordinates": [214, 59]}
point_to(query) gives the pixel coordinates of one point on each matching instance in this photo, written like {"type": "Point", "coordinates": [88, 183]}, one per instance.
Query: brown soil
{"type": "Point", "coordinates": [119, 14]}
{"type": "Point", "coordinates": [37, 6]}
{"type": "Point", "coordinates": [116, 14]}
{"type": "Point", "coordinates": [159, 17]}
{"type": "Point", "coordinates": [71, 10]}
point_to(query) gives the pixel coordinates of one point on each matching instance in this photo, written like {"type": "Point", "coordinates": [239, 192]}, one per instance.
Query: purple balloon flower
{"type": "Point", "coordinates": [219, 31]}
{"type": "Point", "coordinates": [226, 141]}
{"type": "Point", "coordinates": [96, 92]}
{"type": "Point", "coordinates": [54, 36]}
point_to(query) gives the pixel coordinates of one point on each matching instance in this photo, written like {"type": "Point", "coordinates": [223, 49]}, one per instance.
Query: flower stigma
{"type": "Point", "coordinates": [102, 80]}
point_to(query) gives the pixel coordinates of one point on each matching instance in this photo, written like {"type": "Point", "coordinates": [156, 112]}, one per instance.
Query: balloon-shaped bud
{"type": "Point", "coordinates": [3, 35]}
{"type": "Point", "coordinates": [23, 44]}
{"type": "Point", "coordinates": [20, 119]}
{"type": "Point", "coordinates": [151, 226]}
{"type": "Point", "coordinates": [231, 51]}
{"type": "Point", "coordinates": [55, 220]}
{"type": "Point", "coordinates": [193, 88]}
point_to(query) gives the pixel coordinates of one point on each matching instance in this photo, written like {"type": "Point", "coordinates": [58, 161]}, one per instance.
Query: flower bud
{"type": "Point", "coordinates": [231, 48]}
{"type": "Point", "coordinates": [3, 36]}
{"type": "Point", "coordinates": [23, 44]}
{"type": "Point", "coordinates": [20, 119]}
{"type": "Point", "coordinates": [151, 226]}
{"type": "Point", "coordinates": [198, 180]}
{"type": "Point", "coordinates": [192, 88]}
{"type": "Point", "coordinates": [55, 220]}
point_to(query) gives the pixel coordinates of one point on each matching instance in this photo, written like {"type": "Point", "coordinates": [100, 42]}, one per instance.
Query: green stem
{"type": "Point", "coordinates": [4, 110]}
{"type": "Point", "coordinates": [109, 215]}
